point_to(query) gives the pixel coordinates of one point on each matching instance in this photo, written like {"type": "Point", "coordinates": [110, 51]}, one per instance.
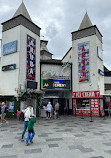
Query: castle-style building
{"type": "Point", "coordinates": [29, 73]}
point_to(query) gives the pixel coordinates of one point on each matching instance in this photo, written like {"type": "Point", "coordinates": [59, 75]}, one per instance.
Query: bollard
{"type": "Point", "coordinates": [91, 116]}
{"type": "Point", "coordinates": [82, 115]}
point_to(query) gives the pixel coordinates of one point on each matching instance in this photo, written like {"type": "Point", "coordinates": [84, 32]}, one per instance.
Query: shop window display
{"type": "Point", "coordinates": [83, 104]}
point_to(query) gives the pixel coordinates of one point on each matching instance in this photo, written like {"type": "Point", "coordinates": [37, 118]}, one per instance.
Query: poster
{"type": "Point", "coordinates": [31, 58]}
{"type": "Point", "coordinates": [11, 107]}
{"type": "Point", "coordinates": [83, 62]}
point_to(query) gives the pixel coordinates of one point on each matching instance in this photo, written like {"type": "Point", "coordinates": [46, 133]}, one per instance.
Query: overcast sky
{"type": "Point", "coordinates": [58, 18]}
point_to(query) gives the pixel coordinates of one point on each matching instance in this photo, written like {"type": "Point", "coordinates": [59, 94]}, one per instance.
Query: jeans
{"type": "Point", "coordinates": [57, 112]}
{"type": "Point", "coordinates": [25, 128]}
{"type": "Point", "coordinates": [30, 137]}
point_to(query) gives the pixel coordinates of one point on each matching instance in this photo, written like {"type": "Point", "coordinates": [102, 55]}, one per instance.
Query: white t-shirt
{"type": "Point", "coordinates": [27, 113]}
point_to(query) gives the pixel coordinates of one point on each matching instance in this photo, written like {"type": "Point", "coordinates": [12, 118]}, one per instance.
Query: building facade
{"type": "Point", "coordinates": [28, 69]}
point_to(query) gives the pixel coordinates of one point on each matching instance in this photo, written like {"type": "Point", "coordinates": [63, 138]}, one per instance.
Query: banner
{"type": "Point", "coordinates": [83, 61]}
{"type": "Point", "coordinates": [31, 58]}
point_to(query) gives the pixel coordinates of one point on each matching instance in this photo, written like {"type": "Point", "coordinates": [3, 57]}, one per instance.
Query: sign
{"type": "Point", "coordinates": [83, 61]}
{"type": "Point", "coordinates": [55, 84]}
{"type": "Point", "coordinates": [9, 67]}
{"type": "Point", "coordinates": [56, 71]}
{"type": "Point", "coordinates": [86, 94]}
{"type": "Point", "coordinates": [99, 53]}
{"type": "Point", "coordinates": [31, 84]}
{"type": "Point", "coordinates": [31, 58]}
{"type": "Point", "coordinates": [10, 48]}
{"type": "Point", "coordinates": [100, 72]}
{"type": "Point", "coordinates": [11, 107]}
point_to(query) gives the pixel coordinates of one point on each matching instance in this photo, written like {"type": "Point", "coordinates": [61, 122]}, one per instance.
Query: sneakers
{"type": "Point", "coordinates": [31, 141]}
{"type": "Point", "coordinates": [22, 139]}
{"type": "Point", "coordinates": [27, 144]}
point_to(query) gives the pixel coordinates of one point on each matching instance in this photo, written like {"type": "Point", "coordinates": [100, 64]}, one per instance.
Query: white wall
{"type": "Point", "coordinates": [68, 57]}
{"type": "Point", "coordinates": [101, 67]}
{"type": "Point", "coordinates": [23, 56]}
{"type": "Point", "coordinates": [9, 79]}
{"type": "Point", "coordinates": [92, 84]}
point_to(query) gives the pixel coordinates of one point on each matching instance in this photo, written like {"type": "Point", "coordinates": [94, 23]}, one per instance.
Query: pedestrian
{"type": "Point", "coordinates": [31, 131]}
{"type": "Point", "coordinates": [57, 110]}
{"type": "Point", "coordinates": [27, 113]}
{"type": "Point", "coordinates": [48, 110]}
{"type": "Point", "coordinates": [3, 113]}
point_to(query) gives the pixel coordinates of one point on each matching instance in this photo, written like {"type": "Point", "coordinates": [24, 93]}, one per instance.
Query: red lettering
{"type": "Point", "coordinates": [84, 74]}
{"type": "Point", "coordinates": [83, 49]}
{"type": "Point", "coordinates": [83, 54]}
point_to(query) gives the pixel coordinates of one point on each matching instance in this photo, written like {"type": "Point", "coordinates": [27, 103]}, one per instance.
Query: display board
{"type": "Point", "coordinates": [83, 62]}
{"type": "Point", "coordinates": [55, 84]}
{"type": "Point", "coordinates": [31, 58]}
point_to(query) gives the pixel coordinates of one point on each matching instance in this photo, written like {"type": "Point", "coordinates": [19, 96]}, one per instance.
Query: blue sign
{"type": "Point", "coordinates": [11, 106]}
{"type": "Point", "coordinates": [100, 72]}
{"type": "Point", "coordinates": [10, 48]}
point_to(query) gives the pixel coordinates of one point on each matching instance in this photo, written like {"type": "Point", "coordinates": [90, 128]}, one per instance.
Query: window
{"type": "Point", "coordinates": [83, 104]}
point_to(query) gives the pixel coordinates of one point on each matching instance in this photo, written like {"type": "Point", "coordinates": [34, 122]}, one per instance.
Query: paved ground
{"type": "Point", "coordinates": [69, 137]}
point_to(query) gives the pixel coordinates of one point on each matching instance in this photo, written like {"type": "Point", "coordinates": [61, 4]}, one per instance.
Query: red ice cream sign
{"type": "Point", "coordinates": [86, 94]}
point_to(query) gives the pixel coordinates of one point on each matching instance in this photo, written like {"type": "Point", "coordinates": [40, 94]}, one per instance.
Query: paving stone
{"type": "Point", "coordinates": [53, 145]}
{"type": "Point", "coordinates": [4, 129]}
{"type": "Point", "coordinates": [7, 146]}
{"type": "Point", "coordinates": [10, 156]}
{"type": "Point", "coordinates": [107, 144]}
{"type": "Point", "coordinates": [108, 151]}
{"type": "Point", "coordinates": [54, 139]}
{"type": "Point", "coordinates": [32, 151]}
{"type": "Point", "coordinates": [97, 157]}
{"type": "Point", "coordinates": [98, 134]}
{"type": "Point", "coordinates": [43, 135]}
{"type": "Point", "coordinates": [79, 135]}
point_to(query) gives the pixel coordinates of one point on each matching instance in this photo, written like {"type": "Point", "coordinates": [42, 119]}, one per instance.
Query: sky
{"type": "Point", "coordinates": [57, 19]}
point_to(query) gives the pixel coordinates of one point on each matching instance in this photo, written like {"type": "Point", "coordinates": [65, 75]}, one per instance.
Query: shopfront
{"type": "Point", "coordinates": [88, 103]}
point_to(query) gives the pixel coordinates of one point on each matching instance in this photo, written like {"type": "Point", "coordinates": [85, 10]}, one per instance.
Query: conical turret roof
{"type": "Point", "coordinates": [86, 22]}
{"type": "Point", "coordinates": [22, 10]}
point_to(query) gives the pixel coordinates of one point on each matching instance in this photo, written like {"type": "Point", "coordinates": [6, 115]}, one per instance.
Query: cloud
{"type": "Point", "coordinates": [59, 18]}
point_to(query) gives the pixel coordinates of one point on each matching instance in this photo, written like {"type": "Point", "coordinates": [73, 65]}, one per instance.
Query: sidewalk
{"type": "Point", "coordinates": [68, 137]}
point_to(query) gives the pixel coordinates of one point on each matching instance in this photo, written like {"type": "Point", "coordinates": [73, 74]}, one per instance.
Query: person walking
{"type": "Point", "coordinates": [3, 113]}
{"type": "Point", "coordinates": [27, 113]}
{"type": "Point", "coordinates": [57, 109]}
{"type": "Point", "coordinates": [31, 129]}
{"type": "Point", "coordinates": [48, 110]}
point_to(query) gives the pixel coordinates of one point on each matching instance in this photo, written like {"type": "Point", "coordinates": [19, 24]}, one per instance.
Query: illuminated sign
{"type": "Point", "coordinates": [10, 48]}
{"type": "Point", "coordinates": [9, 67]}
{"type": "Point", "coordinates": [55, 84]}
{"type": "Point", "coordinates": [83, 61]}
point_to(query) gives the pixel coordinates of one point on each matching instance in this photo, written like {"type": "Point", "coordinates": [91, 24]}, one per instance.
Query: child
{"type": "Point", "coordinates": [31, 129]}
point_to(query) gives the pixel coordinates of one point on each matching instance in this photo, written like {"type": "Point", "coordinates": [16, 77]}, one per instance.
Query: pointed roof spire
{"type": "Point", "coordinates": [22, 10]}
{"type": "Point", "coordinates": [86, 22]}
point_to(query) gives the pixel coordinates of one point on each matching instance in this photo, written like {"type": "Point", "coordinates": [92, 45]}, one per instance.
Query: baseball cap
{"type": "Point", "coordinates": [32, 115]}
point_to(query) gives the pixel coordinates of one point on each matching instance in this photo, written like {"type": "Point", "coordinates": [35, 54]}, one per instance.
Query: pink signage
{"type": "Point", "coordinates": [86, 94]}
